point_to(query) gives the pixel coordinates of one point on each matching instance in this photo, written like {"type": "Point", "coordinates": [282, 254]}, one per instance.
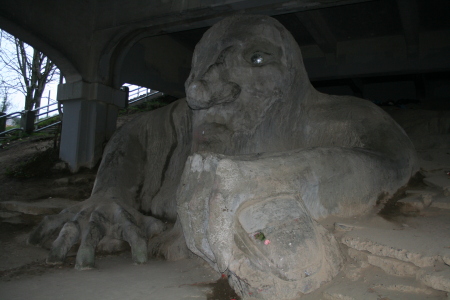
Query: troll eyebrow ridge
{"type": "Point", "coordinates": [222, 55]}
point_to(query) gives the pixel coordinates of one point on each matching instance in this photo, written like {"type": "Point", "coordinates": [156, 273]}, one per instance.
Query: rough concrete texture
{"type": "Point", "coordinates": [359, 256]}
{"type": "Point", "coordinates": [292, 156]}
{"type": "Point", "coordinates": [15, 253]}
{"type": "Point", "coordinates": [270, 160]}
{"type": "Point", "coordinates": [441, 202]}
{"type": "Point", "coordinates": [115, 279]}
{"type": "Point", "coordinates": [426, 196]}
{"type": "Point", "coordinates": [429, 130]}
{"type": "Point", "coordinates": [42, 207]}
{"type": "Point", "coordinates": [375, 285]}
{"type": "Point", "coordinates": [436, 277]}
{"type": "Point", "coordinates": [405, 244]}
{"type": "Point", "coordinates": [412, 203]}
{"type": "Point", "coordinates": [441, 181]}
{"type": "Point", "coordinates": [393, 266]}
{"type": "Point", "coordinates": [402, 255]}
{"type": "Point", "coordinates": [415, 247]}
{"type": "Point", "coordinates": [368, 276]}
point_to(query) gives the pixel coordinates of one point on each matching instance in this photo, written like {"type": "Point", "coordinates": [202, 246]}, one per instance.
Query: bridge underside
{"type": "Point", "coordinates": [378, 50]}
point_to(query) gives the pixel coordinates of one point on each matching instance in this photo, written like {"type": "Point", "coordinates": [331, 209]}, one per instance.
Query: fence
{"type": "Point", "coordinates": [138, 94]}
{"type": "Point", "coordinates": [30, 120]}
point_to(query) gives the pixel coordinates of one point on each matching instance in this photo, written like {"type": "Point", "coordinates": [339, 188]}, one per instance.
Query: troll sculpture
{"type": "Point", "coordinates": [246, 166]}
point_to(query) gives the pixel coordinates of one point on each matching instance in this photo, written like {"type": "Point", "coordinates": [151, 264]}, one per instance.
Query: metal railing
{"type": "Point", "coordinates": [3, 120]}
{"type": "Point", "coordinates": [139, 94]}
{"type": "Point", "coordinates": [57, 107]}
{"type": "Point", "coordinates": [48, 126]}
{"type": "Point", "coordinates": [30, 119]}
{"type": "Point", "coordinates": [47, 112]}
{"type": "Point", "coordinates": [31, 116]}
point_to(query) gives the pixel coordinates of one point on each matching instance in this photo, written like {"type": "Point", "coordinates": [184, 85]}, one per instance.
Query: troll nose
{"type": "Point", "coordinates": [198, 95]}
{"type": "Point", "coordinates": [198, 88]}
{"type": "Point", "coordinates": [203, 94]}
{"type": "Point", "coordinates": [210, 89]}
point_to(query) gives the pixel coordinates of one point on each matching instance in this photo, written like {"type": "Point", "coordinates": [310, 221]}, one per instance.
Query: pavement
{"type": "Point", "coordinates": [115, 278]}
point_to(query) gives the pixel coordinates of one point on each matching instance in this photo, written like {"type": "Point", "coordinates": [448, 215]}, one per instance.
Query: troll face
{"type": "Point", "coordinates": [243, 70]}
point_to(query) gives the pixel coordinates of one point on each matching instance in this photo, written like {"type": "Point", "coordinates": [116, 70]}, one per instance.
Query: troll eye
{"type": "Point", "coordinates": [257, 58]}
{"type": "Point", "coordinates": [259, 53]}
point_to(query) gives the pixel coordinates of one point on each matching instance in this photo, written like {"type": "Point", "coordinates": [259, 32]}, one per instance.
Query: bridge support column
{"type": "Point", "coordinates": [89, 120]}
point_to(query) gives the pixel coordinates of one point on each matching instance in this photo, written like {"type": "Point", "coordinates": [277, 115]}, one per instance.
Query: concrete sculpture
{"type": "Point", "coordinates": [267, 157]}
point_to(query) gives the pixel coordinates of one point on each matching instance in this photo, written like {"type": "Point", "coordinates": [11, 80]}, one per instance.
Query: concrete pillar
{"type": "Point", "coordinates": [89, 120]}
{"type": "Point", "coordinates": [27, 121]}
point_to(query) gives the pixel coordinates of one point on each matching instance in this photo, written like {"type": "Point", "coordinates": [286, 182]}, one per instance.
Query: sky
{"type": "Point", "coordinates": [17, 98]}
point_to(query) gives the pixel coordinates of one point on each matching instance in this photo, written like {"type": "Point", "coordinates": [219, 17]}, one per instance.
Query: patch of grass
{"type": "Point", "coordinates": [19, 135]}
{"type": "Point", "coordinates": [37, 165]}
{"type": "Point", "coordinates": [148, 105]}
{"type": "Point", "coordinates": [8, 127]}
{"type": "Point", "coordinates": [49, 121]}
{"type": "Point", "coordinates": [13, 136]}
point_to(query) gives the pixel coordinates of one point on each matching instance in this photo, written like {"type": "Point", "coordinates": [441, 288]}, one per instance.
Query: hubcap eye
{"type": "Point", "coordinates": [257, 59]}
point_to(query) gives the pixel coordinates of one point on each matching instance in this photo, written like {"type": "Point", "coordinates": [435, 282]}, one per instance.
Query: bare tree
{"type": "Point", "coordinates": [5, 103]}
{"type": "Point", "coordinates": [27, 70]}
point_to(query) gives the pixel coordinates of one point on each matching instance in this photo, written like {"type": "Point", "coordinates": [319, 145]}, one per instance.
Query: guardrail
{"type": "Point", "coordinates": [136, 92]}
{"type": "Point", "coordinates": [48, 126]}
{"type": "Point", "coordinates": [139, 94]}
{"type": "Point", "coordinates": [3, 119]}
{"type": "Point", "coordinates": [29, 120]}
{"type": "Point", "coordinates": [48, 111]}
